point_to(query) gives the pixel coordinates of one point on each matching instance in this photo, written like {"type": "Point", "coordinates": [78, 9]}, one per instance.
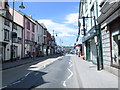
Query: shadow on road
{"type": "Point", "coordinates": [29, 81]}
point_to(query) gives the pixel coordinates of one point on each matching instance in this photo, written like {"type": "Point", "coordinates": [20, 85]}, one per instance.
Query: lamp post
{"type": "Point", "coordinates": [12, 49]}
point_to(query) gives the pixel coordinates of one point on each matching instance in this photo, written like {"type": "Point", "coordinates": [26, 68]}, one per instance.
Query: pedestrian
{"type": "Point", "coordinates": [33, 54]}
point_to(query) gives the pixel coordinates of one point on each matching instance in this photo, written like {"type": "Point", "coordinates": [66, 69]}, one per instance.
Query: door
{"type": "Point", "coordinates": [88, 50]}
{"type": "Point", "coordinates": [15, 53]}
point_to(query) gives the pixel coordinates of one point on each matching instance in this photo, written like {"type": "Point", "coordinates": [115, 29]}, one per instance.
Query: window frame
{"type": "Point", "coordinates": [8, 37]}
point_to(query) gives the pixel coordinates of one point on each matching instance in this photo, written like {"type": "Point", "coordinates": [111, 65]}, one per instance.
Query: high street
{"type": "Point", "coordinates": [67, 71]}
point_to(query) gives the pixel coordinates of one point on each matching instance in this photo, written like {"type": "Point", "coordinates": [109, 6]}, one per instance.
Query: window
{"type": "Point", "coordinates": [92, 14]}
{"type": "Point", "coordinates": [6, 35]}
{"type": "Point", "coordinates": [38, 39]}
{"type": "Point", "coordinates": [28, 35]}
{"type": "Point", "coordinates": [15, 26]}
{"type": "Point", "coordinates": [0, 5]}
{"type": "Point", "coordinates": [116, 49]}
{"type": "Point", "coordinates": [33, 37]}
{"type": "Point", "coordinates": [28, 25]}
{"type": "Point", "coordinates": [33, 28]}
{"type": "Point", "coordinates": [7, 22]}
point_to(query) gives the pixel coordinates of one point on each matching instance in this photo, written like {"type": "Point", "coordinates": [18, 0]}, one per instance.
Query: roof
{"type": "Point", "coordinates": [31, 19]}
{"type": "Point", "coordinates": [43, 26]}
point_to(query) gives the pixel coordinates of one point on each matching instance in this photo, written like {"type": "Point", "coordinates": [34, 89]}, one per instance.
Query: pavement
{"type": "Point", "coordinates": [90, 77]}
{"type": "Point", "coordinates": [8, 65]}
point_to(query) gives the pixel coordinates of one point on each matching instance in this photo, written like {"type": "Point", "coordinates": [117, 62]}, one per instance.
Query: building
{"type": "Point", "coordinates": [109, 20]}
{"type": "Point", "coordinates": [91, 39]}
{"type": "Point", "coordinates": [44, 33]}
{"type": "Point", "coordinates": [39, 37]}
{"type": "Point", "coordinates": [11, 33]}
{"type": "Point", "coordinates": [29, 35]}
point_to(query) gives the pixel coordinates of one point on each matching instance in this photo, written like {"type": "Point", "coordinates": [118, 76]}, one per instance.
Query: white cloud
{"type": "Point", "coordinates": [65, 34]}
{"type": "Point", "coordinates": [62, 28]}
{"type": "Point", "coordinates": [72, 18]}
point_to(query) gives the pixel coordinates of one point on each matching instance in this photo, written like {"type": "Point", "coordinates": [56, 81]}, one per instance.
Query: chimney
{"type": "Point", "coordinates": [3, 4]}
{"type": "Point", "coordinates": [30, 16]}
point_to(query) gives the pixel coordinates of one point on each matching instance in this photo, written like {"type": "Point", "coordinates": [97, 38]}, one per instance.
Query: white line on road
{"type": "Point", "coordinates": [15, 82]}
{"type": "Point", "coordinates": [64, 83]}
{"type": "Point", "coordinates": [71, 74]}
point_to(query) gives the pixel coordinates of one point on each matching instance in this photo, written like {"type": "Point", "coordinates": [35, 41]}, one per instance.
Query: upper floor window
{"type": "Point", "coordinates": [33, 37]}
{"type": "Point", "coordinates": [33, 28]}
{"type": "Point", "coordinates": [7, 22]}
{"type": "Point", "coordinates": [6, 35]}
{"type": "Point", "coordinates": [28, 25]}
{"type": "Point", "coordinates": [28, 35]}
{"type": "Point", "coordinates": [15, 26]}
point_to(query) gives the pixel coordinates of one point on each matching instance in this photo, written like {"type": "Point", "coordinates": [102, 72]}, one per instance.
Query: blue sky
{"type": "Point", "coordinates": [58, 16]}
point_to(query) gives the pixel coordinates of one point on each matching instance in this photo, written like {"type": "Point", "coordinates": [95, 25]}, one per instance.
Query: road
{"type": "Point", "coordinates": [52, 73]}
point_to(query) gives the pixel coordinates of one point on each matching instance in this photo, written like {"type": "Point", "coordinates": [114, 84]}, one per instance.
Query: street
{"type": "Point", "coordinates": [60, 72]}
{"type": "Point", "coordinates": [54, 75]}
{"type": "Point", "coordinates": [64, 44]}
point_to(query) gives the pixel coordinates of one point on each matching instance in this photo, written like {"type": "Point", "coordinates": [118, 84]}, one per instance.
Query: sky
{"type": "Point", "coordinates": [62, 17]}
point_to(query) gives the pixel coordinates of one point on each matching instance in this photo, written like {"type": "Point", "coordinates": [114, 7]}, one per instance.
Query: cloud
{"type": "Point", "coordinates": [58, 27]}
{"type": "Point", "coordinates": [72, 18]}
{"type": "Point", "coordinates": [65, 35]}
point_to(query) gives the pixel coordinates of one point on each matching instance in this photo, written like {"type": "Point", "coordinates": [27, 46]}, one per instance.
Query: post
{"type": "Point", "coordinates": [12, 33]}
{"type": "Point", "coordinates": [98, 62]}
{"type": "Point", "coordinates": [84, 26]}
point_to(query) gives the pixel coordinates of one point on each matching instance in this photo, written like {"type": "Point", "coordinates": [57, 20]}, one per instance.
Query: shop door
{"type": "Point", "coordinates": [15, 54]}
{"type": "Point", "coordinates": [88, 51]}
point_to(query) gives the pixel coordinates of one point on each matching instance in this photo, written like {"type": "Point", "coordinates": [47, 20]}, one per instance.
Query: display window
{"type": "Point", "coordinates": [116, 49]}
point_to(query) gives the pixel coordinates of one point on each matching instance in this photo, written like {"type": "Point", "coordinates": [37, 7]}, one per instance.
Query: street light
{"type": "Point", "coordinates": [22, 7]}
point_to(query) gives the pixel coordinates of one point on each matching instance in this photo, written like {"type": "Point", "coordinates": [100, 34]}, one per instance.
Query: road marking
{"type": "Point", "coordinates": [3, 87]}
{"type": "Point", "coordinates": [27, 74]}
{"type": "Point", "coordinates": [15, 82]}
{"type": "Point", "coordinates": [70, 74]}
{"type": "Point", "coordinates": [64, 83]}
{"type": "Point", "coordinates": [71, 65]}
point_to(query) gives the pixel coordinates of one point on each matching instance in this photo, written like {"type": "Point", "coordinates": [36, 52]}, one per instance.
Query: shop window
{"type": "Point", "coordinates": [116, 50]}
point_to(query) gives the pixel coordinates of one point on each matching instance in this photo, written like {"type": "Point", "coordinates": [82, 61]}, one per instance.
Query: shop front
{"type": "Point", "coordinates": [114, 28]}
{"type": "Point", "coordinates": [116, 48]}
{"type": "Point", "coordinates": [92, 42]}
